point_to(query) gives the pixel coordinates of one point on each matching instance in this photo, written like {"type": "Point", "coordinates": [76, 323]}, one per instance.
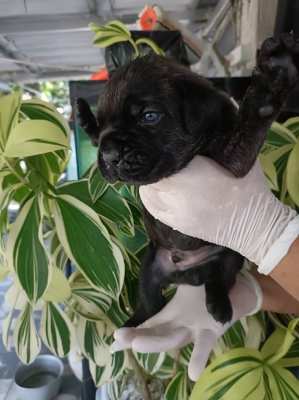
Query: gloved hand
{"type": "Point", "coordinates": [185, 319]}
{"type": "Point", "coordinates": [206, 201]}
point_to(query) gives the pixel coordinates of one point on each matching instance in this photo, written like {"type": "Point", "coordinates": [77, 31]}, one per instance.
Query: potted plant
{"type": "Point", "coordinates": [99, 228]}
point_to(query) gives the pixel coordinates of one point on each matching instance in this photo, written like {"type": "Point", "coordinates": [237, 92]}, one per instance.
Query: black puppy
{"type": "Point", "coordinates": [153, 118]}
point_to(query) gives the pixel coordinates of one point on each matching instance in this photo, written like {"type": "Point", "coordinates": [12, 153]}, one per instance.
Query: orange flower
{"type": "Point", "coordinates": [147, 18]}
{"type": "Point", "coordinates": [101, 75]}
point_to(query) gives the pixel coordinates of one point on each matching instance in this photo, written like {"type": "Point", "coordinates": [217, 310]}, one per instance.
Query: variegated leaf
{"type": "Point", "coordinates": [9, 110]}
{"type": "Point", "coordinates": [116, 388]}
{"type": "Point", "coordinates": [32, 137]}
{"type": "Point", "coordinates": [185, 354]}
{"type": "Point", "coordinates": [26, 340]}
{"type": "Point", "coordinates": [59, 289]}
{"type": "Point", "coordinates": [87, 300]}
{"type": "Point", "coordinates": [87, 243]}
{"type": "Point", "coordinates": [151, 362]}
{"type": "Point", "coordinates": [96, 183]}
{"type": "Point", "coordinates": [167, 370]}
{"type": "Point", "coordinates": [112, 370]}
{"type": "Point", "coordinates": [26, 254]}
{"type": "Point", "coordinates": [42, 110]}
{"type": "Point", "coordinates": [56, 330]}
{"type": "Point", "coordinates": [292, 174]}
{"type": "Point", "coordinates": [116, 314]}
{"type": "Point", "coordinates": [94, 340]}
{"type": "Point", "coordinates": [177, 389]}
{"type": "Point", "coordinates": [15, 297]}
{"type": "Point", "coordinates": [112, 207]}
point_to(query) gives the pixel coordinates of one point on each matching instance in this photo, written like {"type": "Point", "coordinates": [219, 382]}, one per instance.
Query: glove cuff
{"type": "Point", "coordinates": [280, 247]}
{"type": "Point", "coordinates": [250, 280]}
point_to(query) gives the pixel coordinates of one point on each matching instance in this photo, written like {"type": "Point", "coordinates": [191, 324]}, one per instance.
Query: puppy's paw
{"type": "Point", "coordinates": [220, 310]}
{"type": "Point", "coordinates": [278, 60]}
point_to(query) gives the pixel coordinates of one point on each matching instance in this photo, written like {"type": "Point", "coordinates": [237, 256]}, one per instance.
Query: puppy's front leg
{"type": "Point", "coordinates": [151, 282]}
{"type": "Point", "coordinates": [274, 77]}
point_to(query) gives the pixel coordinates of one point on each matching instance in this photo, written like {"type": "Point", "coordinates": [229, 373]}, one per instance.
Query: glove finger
{"type": "Point", "coordinates": [203, 345]}
{"type": "Point", "coordinates": [123, 339]}
{"type": "Point", "coordinates": [160, 339]}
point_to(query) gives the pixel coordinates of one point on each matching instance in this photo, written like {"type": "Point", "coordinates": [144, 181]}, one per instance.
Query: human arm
{"type": "Point", "coordinates": [275, 297]}
{"type": "Point", "coordinates": [286, 273]}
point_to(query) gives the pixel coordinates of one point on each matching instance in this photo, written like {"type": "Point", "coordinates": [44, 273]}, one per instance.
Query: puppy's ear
{"type": "Point", "coordinates": [88, 121]}
{"type": "Point", "coordinates": [205, 111]}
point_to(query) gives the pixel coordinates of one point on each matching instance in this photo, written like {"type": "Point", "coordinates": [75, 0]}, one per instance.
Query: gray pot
{"type": "Point", "coordinates": [40, 380]}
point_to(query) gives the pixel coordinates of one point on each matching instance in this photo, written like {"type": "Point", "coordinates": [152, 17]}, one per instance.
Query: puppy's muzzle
{"type": "Point", "coordinates": [111, 152]}
{"type": "Point", "coordinates": [121, 157]}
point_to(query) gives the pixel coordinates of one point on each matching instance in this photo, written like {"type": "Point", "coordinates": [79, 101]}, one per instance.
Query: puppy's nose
{"type": "Point", "coordinates": [110, 152]}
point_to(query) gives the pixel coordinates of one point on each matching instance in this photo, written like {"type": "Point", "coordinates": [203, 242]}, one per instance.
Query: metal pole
{"type": "Point", "coordinates": [88, 389]}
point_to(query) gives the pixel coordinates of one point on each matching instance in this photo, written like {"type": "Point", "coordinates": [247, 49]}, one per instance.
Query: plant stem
{"type": "Point", "coordinates": [140, 376]}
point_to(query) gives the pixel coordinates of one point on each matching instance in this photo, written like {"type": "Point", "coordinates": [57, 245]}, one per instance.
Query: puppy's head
{"type": "Point", "coordinates": [153, 117]}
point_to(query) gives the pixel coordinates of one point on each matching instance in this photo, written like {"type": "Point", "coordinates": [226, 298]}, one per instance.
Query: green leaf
{"type": "Point", "coordinates": [279, 343]}
{"type": "Point", "coordinates": [88, 244]}
{"type": "Point", "coordinates": [114, 208]}
{"type": "Point", "coordinates": [26, 340]}
{"type": "Point", "coordinates": [96, 183]}
{"type": "Point", "coordinates": [134, 243]}
{"type": "Point", "coordinates": [185, 354]}
{"type": "Point", "coordinates": [167, 369]}
{"type": "Point", "coordinates": [59, 288]}
{"type": "Point", "coordinates": [156, 49]}
{"type": "Point", "coordinates": [283, 384]}
{"type": "Point", "coordinates": [111, 206]}
{"type": "Point", "coordinates": [9, 113]}
{"type": "Point", "coordinates": [255, 333]}
{"type": "Point", "coordinates": [106, 41]}
{"type": "Point", "coordinates": [44, 168]}
{"type": "Point", "coordinates": [151, 362]}
{"type": "Point", "coordinates": [120, 27]}
{"type": "Point", "coordinates": [111, 370]}
{"type": "Point", "coordinates": [116, 388]}
{"type": "Point", "coordinates": [94, 340]}
{"type": "Point", "coordinates": [234, 336]}
{"type": "Point", "coordinates": [270, 171]}
{"type": "Point", "coordinates": [223, 373]}
{"type": "Point", "coordinates": [26, 254]}
{"type": "Point", "coordinates": [291, 359]}
{"type": "Point", "coordinates": [275, 155]}
{"type": "Point", "coordinates": [116, 314]}
{"type": "Point", "coordinates": [32, 137]}
{"type": "Point", "coordinates": [177, 389]}
{"type": "Point", "coordinates": [293, 125]}
{"type": "Point", "coordinates": [292, 174]}
{"type": "Point", "coordinates": [39, 109]}
{"type": "Point", "coordinates": [283, 132]}
{"type": "Point", "coordinates": [56, 330]}
{"type": "Point", "coordinates": [87, 300]}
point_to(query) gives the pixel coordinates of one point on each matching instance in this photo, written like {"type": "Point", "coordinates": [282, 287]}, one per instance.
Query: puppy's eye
{"type": "Point", "coordinates": [151, 117]}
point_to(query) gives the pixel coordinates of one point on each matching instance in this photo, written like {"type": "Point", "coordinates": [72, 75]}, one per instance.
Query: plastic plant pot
{"type": "Point", "coordinates": [41, 380]}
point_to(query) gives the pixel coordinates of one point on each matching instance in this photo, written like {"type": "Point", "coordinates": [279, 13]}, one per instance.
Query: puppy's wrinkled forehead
{"type": "Point", "coordinates": [145, 80]}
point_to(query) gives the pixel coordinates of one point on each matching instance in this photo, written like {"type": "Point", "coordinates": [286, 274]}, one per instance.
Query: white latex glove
{"type": "Point", "coordinates": [185, 319]}
{"type": "Point", "coordinates": [206, 201]}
